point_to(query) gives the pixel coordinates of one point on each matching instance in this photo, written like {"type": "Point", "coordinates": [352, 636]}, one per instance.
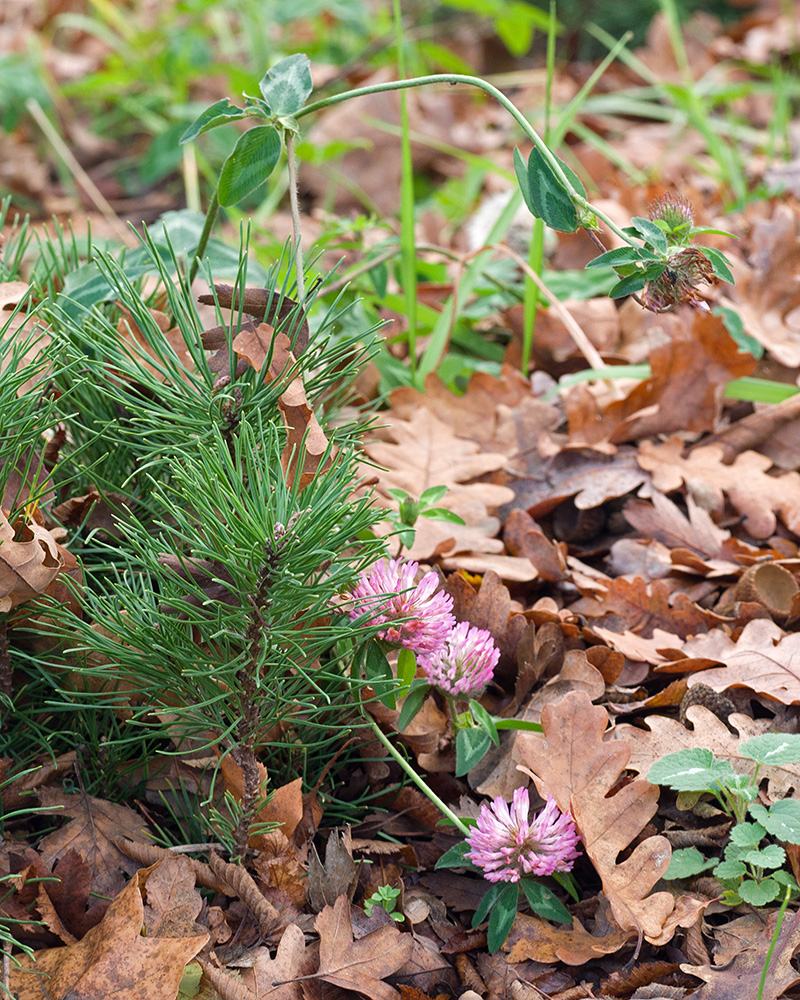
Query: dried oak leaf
{"type": "Point", "coordinates": [93, 823]}
{"type": "Point", "coordinates": [766, 295]}
{"type": "Point", "coordinates": [30, 561]}
{"type": "Point", "coordinates": [752, 492]}
{"type": "Point", "coordinates": [29, 335]}
{"type": "Point", "coordinates": [114, 959]}
{"type": "Point", "coordinates": [589, 477]}
{"type": "Point", "coordinates": [642, 607]}
{"type": "Point", "coordinates": [424, 452]}
{"type": "Point", "coordinates": [763, 659]}
{"type": "Point", "coordinates": [572, 762]}
{"type": "Point", "coordinates": [684, 392]}
{"type": "Point", "coordinates": [305, 436]}
{"type": "Point", "coordinates": [731, 981]}
{"type": "Point", "coordinates": [694, 540]}
{"type": "Point", "coordinates": [498, 412]}
{"type": "Point", "coordinates": [291, 960]}
{"type": "Point", "coordinates": [665, 735]}
{"type": "Point", "coordinates": [360, 965]}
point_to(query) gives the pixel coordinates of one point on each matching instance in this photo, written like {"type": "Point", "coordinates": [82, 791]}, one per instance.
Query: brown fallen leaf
{"type": "Point", "coordinates": [173, 903]}
{"type": "Point", "coordinates": [542, 941]}
{"type": "Point", "coordinates": [29, 562]}
{"type": "Point", "coordinates": [113, 959]}
{"type": "Point", "coordinates": [486, 410]}
{"type": "Point", "coordinates": [730, 981]}
{"type": "Point", "coordinates": [589, 477]}
{"type": "Point", "coordinates": [766, 296]}
{"type": "Point", "coordinates": [572, 762]}
{"type": "Point", "coordinates": [644, 607]}
{"type": "Point", "coordinates": [306, 440]}
{"type": "Point", "coordinates": [752, 492]}
{"type": "Point", "coordinates": [266, 307]}
{"type": "Point", "coordinates": [684, 392]}
{"type": "Point", "coordinates": [695, 541]}
{"type": "Point", "coordinates": [424, 452]}
{"type": "Point", "coordinates": [763, 659]}
{"type": "Point", "coordinates": [359, 965]}
{"type": "Point", "coordinates": [93, 823]}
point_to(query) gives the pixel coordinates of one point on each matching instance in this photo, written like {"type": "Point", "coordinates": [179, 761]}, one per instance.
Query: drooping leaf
{"type": "Point", "coordinates": [550, 200]}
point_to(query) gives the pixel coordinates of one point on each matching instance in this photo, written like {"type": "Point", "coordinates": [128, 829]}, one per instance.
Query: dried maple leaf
{"type": "Point", "coordinates": [93, 823]}
{"type": "Point", "coordinates": [359, 965]}
{"type": "Point", "coordinates": [763, 659]}
{"type": "Point", "coordinates": [748, 487]}
{"type": "Point", "coordinates": [114, 959]}
{"type": "Point", "coordinates": [665, 735]}
{"type": "Point", "coordinates": [572, 762]}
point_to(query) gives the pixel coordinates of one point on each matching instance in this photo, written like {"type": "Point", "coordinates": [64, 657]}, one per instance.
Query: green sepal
{"type": "Point", "coordinates": [719, 264]}
{"type": "Point", "coordinates": [627, 286]}
{"type": "Point", "coordinates": [622, 255]}
{"type": "Point", "coordinates": [484, 720]}
{"type": "Point", "coordinates": [414, 700]}
{"type": "Point", "coordinates": [379, 675]}
{"type": "Point", "coordinates": [647, 230]}
{"type": "Point", "coordinates": [487, 903]}
{"type": "Point", "coordinates": [454, 858]}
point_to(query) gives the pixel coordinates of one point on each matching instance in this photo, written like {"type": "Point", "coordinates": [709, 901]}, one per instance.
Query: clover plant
{"type": "Point", "coordinates": [751, 869]}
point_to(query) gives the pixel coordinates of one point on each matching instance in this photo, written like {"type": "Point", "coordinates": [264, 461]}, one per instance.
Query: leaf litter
{"type": "Point", "coordinates": [668, 479]}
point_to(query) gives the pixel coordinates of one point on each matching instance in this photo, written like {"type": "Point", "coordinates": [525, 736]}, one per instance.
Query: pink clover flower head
{"type": "Point", "coordinates": [508, 846]}
{"type": "Point", "coordinates": [465, 664]}
{"type": "Point", "coordinates": [387, 593]}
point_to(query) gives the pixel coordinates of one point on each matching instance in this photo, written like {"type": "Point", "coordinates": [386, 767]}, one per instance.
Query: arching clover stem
{"type": "Point", "coordinates": [516, 114]}
{"type": "Point", "coordinates": [425, 789]}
